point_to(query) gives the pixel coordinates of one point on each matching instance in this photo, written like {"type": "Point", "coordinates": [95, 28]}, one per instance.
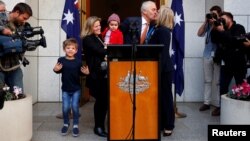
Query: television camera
{"type": "Point", "coordinates": [20, 42]}
{"type": "Point", "coordinates": [28, 32]}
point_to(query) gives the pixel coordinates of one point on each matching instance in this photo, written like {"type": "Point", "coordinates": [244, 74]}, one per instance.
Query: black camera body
{"type": "Point", "coordinates": [219, 22]}
{"type": "Point", "coordinates": [211, 16]}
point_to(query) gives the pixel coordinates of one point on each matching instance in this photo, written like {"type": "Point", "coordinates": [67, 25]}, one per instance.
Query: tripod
{"type": "Point", "coordinates": [134, 90]}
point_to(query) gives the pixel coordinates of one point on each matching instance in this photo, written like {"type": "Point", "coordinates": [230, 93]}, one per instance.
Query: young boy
{"type": "Point", "coordinates": [112, 34]}
{"type": "Point", "coordinates": [71, 68]}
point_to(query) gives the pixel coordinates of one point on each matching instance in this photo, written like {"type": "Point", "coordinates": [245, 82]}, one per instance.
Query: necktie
{"type": "Point", "coordinates": [144, 33]}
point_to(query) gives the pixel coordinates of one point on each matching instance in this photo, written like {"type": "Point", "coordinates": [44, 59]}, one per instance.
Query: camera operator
{"type": "Point", "coordinates": [232, 51]}
{"type": "Point", "coordinates": [10, 71]}
{"type": "Point", "coordinates": [211, 68]}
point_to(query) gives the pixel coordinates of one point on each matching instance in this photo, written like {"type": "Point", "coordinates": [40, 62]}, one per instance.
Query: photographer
{"type": "Point", "coordinates": [10, 71]}
{"type": "Point", "coordinates": [210, 66]}
{"type": "Point", "coordinates": [232, 51]}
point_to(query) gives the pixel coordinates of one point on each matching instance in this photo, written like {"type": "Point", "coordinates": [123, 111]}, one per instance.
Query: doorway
{"type": "Point", "coordinates": [104, 8]}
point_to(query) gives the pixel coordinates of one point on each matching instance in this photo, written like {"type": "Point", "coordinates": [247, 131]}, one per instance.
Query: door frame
{"type": "Point", "coordinates": [85, 7]}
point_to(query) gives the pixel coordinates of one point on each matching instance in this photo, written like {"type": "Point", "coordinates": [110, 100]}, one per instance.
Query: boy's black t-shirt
{"type": "Point", "coordinates": [71, 72]}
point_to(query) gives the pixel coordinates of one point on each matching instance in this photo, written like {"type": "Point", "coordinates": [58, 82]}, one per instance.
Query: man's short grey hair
{"type": "Point", "coordinates": [146, 4]}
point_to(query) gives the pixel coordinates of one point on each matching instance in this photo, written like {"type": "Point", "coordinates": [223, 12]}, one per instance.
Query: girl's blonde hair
{"type": "Point", "coordinates": [165, 17]}
{"type": "Point", "coordinates": [88, 25]}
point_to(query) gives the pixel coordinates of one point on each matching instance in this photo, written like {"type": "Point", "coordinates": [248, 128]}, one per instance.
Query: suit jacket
{"type": "Point", "coordinates": [131, 28]}
{"type": "Point", "coordinates": [162, 35]}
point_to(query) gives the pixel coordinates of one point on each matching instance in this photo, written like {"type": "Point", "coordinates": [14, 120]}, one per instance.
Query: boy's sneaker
{"type": "Point", "coordinates": [75, 131]}
{"type": "Point", "coordinates": [65, 129]}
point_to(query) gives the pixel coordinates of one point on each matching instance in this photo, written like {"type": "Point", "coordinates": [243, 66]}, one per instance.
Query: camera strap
{"type": "Point", "coordinates": [12, 68]}
{"type": "Point", "coordinates": [9, 69]}
{"type": "Point", "coordinates": [105, 47]}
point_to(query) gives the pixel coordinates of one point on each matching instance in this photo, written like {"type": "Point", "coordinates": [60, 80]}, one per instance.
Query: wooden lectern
{"type": "Point", "coordinates": [133, 113]}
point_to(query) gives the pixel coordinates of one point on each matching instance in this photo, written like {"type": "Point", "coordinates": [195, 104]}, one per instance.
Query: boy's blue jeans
{"type": "Point", "coordinates": [70, 100]}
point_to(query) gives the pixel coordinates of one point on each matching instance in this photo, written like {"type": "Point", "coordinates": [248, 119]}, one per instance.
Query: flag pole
{"type": "Point", "coordinates": [177, 114]}
{"type": "Point", "coordinates": [178, 50]}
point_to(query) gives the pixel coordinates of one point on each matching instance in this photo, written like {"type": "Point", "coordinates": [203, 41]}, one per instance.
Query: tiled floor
{"type": "Point", "coordinates": [46, 126]}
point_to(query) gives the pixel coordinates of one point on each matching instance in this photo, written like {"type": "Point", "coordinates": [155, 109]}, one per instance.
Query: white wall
{"type": "Point", "coordinates": [240, 10]}
{"type": "Point", "coordinates": [11, 3]}
{"type": "Point", "coordinates": [49, 14]}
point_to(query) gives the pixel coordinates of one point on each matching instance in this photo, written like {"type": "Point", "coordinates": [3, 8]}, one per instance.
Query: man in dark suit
{"type": "Point", "coordinates": [133, 27]}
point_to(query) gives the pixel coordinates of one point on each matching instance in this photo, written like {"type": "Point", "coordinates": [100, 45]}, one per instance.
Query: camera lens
{"type": "Point", "coordinates": [219, 22]}
{"type": "Point", "coordinates": [208, 16]}
{"type": "Point", "coordinates": [211, 16]}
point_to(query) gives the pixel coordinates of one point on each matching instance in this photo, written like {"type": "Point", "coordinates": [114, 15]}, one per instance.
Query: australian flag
{"type": "Point", "coordinates": [177, 54]}
{"type": "Point", "coordinates": [71, 22]}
